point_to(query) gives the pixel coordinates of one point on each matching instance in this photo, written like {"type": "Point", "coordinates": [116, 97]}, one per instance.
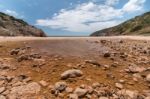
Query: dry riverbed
{"type": "Point", "coordinates": [75, 68]}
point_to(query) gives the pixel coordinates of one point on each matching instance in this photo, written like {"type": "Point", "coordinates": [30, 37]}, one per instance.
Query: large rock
{"type": "Point", "coordinates": [71, 74]}
{"type": "Point", "coordinates": [135, 69]}
{"type": "Point", "coordinates": [80, 92]}
{"type": "Point", "coordinates": [31, 88]}
{"type": "Point", "coordinates": [128, 93]}
{"type": "Point", "coordinates": [60, 86]}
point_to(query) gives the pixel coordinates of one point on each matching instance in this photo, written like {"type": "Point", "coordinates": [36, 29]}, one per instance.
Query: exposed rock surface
{"type": "Point", "coordinates": [10, 26]}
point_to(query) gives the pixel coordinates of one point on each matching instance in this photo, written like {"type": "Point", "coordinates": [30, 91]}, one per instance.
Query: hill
{"type": "Point", "coordinates": [10, 26]}
{"type": "Point", "coordinates": [140, 25]}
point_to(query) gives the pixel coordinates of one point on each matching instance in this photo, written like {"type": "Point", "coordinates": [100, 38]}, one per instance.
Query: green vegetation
{"type": "Point", "coordinates": [138, 25]}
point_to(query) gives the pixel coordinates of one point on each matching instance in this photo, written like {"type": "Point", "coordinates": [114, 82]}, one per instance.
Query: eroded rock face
{"type": "Point", "coordinates": [10, 26]}
{"type": "Point", "coordinates": [30, 88]}
{"type": "Point", "coordinates": [71, 74]}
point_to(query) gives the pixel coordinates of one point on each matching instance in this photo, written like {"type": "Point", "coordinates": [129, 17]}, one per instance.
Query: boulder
{"type": "Point", "coordinates": [60, 86]}
{"type": "Point", "coordinates": [71, 74]}
{"type": "Point", "coordinates": [80, 92]}
{"type": "Point", "coordinates": [31, 88]}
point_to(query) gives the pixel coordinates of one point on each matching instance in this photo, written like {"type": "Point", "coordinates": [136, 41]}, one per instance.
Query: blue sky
{"type": "Point", "coordinates": [74, 17]}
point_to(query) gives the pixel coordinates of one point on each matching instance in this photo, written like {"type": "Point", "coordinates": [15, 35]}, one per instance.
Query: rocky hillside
{"type": "Point", "coordinates": [10, 26]}
{"type": "Point", "coordinates": [139, 25]}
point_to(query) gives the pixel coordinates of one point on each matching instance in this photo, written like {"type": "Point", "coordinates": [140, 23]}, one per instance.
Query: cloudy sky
{"type": "Point", "coordinates": [74, 17]}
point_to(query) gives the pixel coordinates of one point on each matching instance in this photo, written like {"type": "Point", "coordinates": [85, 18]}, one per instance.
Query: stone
{"type": "Point", "coordinates": [14, 51]}
{"type": "Point", "coordinates": [95, 85]}
{"type": "Point", "coordinates": [80, 92]}
{"type": "Point", "coordinates": [107, 54]}
{"type": "Point", "coordinates": [2, 82]}
{"type": "Point", "coordinates": [147, 97]}
{"type": "Point", "coordinates": [135, 69]}
{"type": "Point", "coordinates": [2, 97]}
{"type": "Point", "coordinates": [103, 98]}
{"type": "Point", "coordinates": [73, 96]}
{"type": "Point", "coordinates": [43, 83]}
{"type": "Point", "coordinates": [148, 78]}
{"type": "Point", "coordinates": [2, 89]}
{"type": "Point", "coordinates": [122, 81]}
{"type": "Point", "coordinates": [93, 62]}
{"type": "Point", "coordinates": [28, 57]}
{"type": "Point", "coordinates": [60, 86]}
{"type": "Point", "coordinates": [72, 73]}
{"type": "Point", "coordinates": [30, 88]}
{"type": "Point", "coordinates": [69, 90]}
{"type": "Point", "coordinates": [128, 93]}
{"type": "Point", "coordinates": [118, 85]}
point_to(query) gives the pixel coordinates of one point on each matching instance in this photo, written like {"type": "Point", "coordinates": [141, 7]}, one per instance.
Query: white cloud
{"type": "Point", "coordinates": [13, 13]}
{"type": "Point", "coordinates": [133, 5]}
{"type": "Point", "coordinates": [89, 17]}
{"type": "Point", "coordinates": [111, 2]}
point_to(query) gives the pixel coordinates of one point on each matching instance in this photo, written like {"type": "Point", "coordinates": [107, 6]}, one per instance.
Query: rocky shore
{"type": "Point", "coordinates": [77, 68]}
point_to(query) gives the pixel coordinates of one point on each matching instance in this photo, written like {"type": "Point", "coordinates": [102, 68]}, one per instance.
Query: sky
{"type": "Point", "coordinates": [74, 17]}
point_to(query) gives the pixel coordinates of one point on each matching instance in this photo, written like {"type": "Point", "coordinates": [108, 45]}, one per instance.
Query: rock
{"type": "Point", "coordinates": [71, 74]}
{"type": "Point", "coordinates": [80, 92]}
{"type": "Point", "coordinates": [135, 69]}
{"type": "Point", "coordinates": [122, 81]}
{"type": "Point", "coordinates": [95, 85]}
{"type": "Point", "coordinates": [14, 51]}
{"type": "Point", "coordinates": [148, 78]}
{"type": "Point", "coordinates": [103, 41]}
{"type": "Point", "coordinates": [103, 98]}
{"type": "Point", "coordinates": [2, 82]}
{"type": "Point", "coordinates": [93, 62]}
{"type": "Point", "coordinates": [28, 57]}
{"type": "Point", "coordinates": [69, 90]}
{"type": "Point", "coordinates": [43, 83]}
{"type": "Point", "coordinates": [106, 67]}
{"type": "Point", "coordinates": [90, 90]}
{"type": "Point", "coordinates": [128, 93]}
{"type": "Point", "coordinates": [107, 54]}
{"type": "Point", "coordinates": [2, 89]}
{"type": "Point", "coordinates": [22, 77]}
{"type": "Point", "coordinates": [30, 88]}
{"type": "Point", "coordinates": [118, 85]}
{"type": "Point", "coordinates": [60, 86]}
{"type": "Point", "coordinates": [2, 97]}
{"type": "Point", "coordinates": [147, 97]}
{"type": "Point", "coordinates": [73, 96]}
